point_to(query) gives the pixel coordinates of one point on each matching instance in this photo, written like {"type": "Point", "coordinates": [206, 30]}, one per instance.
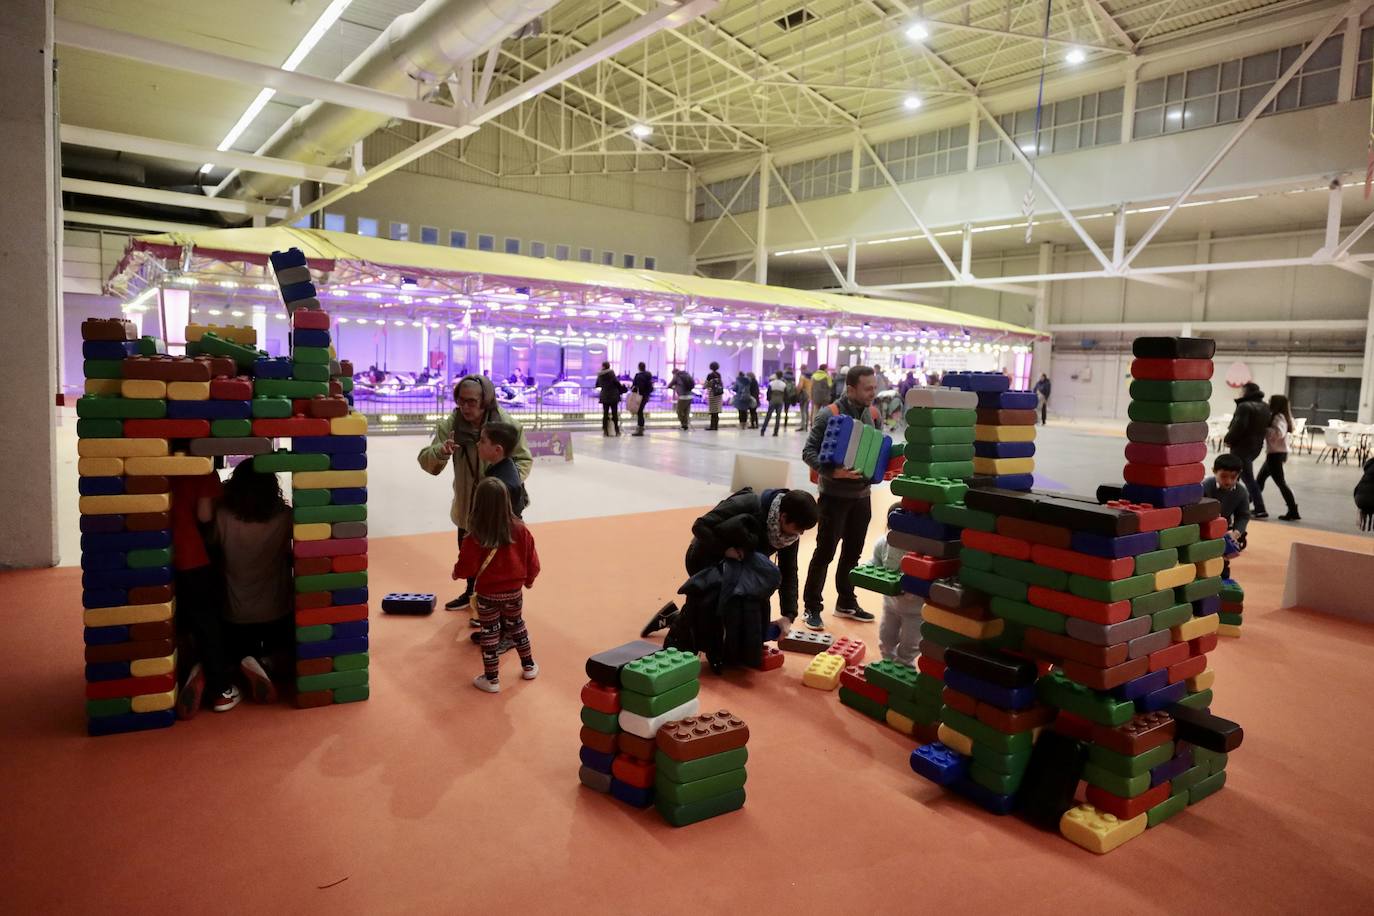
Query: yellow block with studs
{"type": "Point", "coordinates": [997, 466]}
{"type": "Point", "coordinates": [1175, 576]}
{"type": "Point", "coordinates": [143, 389]}
{"type": "Point", "coordinates": [1097, 831]}
{"type": "Point", "coordinates": [154, 702]}
{"type": "Point", "coordinates": [973, 629]}
{"type": "Point", "coordinates": [127, 614]}
{"type": "Point", "coordinates": [823, 672]}
{"type": "Point", "coordinates": [188, 391]}
{"type": "Point", "coordinates": [355, 424]}
{"type": "Point", "coordinates": [169, 466]}
{"type": "Point", "coordinates": [124, 503]}
{"type": "Point", "coordinates": [955, 741]}
{"type": "Point", "coordinates": [1192, 629]}
{"type": "Point", "coordinates": [100, 467]}
{"type": "Point", "coordinates": [121, 448]}
{"type": "Point", "coordinates": [328, 480]}
{"type": "Point", "coordinates": [985, 433]}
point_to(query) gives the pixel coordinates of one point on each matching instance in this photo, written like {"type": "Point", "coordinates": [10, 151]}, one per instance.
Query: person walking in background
{"type": "Point", "coordinates": [715, 392]}
{"type": "Point", "coordinates": [742, 398]}
{"type": "Point", "coordinates": [777, 395]}
{"type": "Point", "coordinates": [803, 399]}
{"type": "Point", "coordinates": [682, 386]}
{"type": "Point", "coordinates": [1245, 437]}
{"type": "Point", "coordinates": [754, 392]}
{"type": "Point", "coordinates": [822, 392]}
{"type": "Point", "coordinates": [789, 394]}
{"type": "Point", "coordinates": [1364, 497]}
{"type": "Point", "coordinates": [1275, 457]}
{"type": "Point", "coordinates": [906, 385]}
{"type": "Point", "coordinates": [1042, 388]}
{"type": "Point", "coordinates": [611, 390]}
{"type": "Point", "coordinates": [642, 385]}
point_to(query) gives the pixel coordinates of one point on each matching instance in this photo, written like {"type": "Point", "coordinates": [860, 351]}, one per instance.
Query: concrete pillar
{"type": "Point", "coordinates": [761, 234]}
{"type": "Point", "coordinates": [1366, 410]}
{"type": "Point", "coordinates": [1128, 101]}
{"type": "Point", "coordinates": [1042, 349]}
{"type": "Point", "coordinates": [974, 120]}
{"type": "Point", "coordinates": [28, 240]}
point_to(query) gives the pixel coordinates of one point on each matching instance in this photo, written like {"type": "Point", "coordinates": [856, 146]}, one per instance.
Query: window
{"type": "Point", "coordinates": [486, 243]}
{"type": "Point", "coordinates": [400, 232]}
{"type": "Point", "coordinates": [336, 222]}
{"type": "Point", "coordinates": [584, 255]}
{"type": "Point", "coordinates": [457, 238]}
{"type": "Point", "coordinates": [823, 177]}
{"type": "Point", "coordinates": [1226, 92]}
{"type": "Point", "coordinates": [722, 191]}
{"type": "Point", "coordinates": [512, 246]}
{"type": "Point", "coordinates": [629, 262]}
{"type": "Point", "coordinates": [650, 262]}
{"type": "Point", "coordinates": [939, 152]}
{"type": "Point", "coordinates": [429, 235]}
{"type": "Point", "coordinates": [561, 252]}
{"type": "Point", "coordinates": [1067, 125]}
{"type": "Point", "coordinates": [608, 258]}
{"type": "Point", "coordinates": [367, 226]}
{"type": "Point", "coordinates": [537, 249]}
{"type": "Point", "coordinates": [1364, 69]}
{"type": "Point", "coordinates": [302, 223]}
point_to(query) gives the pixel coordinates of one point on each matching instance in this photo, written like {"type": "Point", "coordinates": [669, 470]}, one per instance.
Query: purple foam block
{"type": "Point", "coordinates": [1112, 548]}
{"type": "Point", "coordinates": [1203, 607]}
{"type": "Point", "coordinates": [1162, 698]}
{"type": "Point", "coordinates": [1163, 497]}
{"type": "Point", "coordinates": [1143, 685]}
{"type": "Point", "coordinates": [1170, 769]}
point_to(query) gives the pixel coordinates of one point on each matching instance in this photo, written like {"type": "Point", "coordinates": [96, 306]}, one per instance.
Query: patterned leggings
{"type": "Point", "coordinates": [502, 613]}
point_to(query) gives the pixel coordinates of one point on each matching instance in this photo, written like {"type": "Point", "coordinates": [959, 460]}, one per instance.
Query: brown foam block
{"type": "Point", "coordinates": [307, 600]}
{"type": "Point", "coordinates": [148, 521]}
{"type": "Point", "coordinates": [222, 366]}
{"type": "Point", "coordinates": [108, 329]}
{"type": "Point", "coordinates": [151, 594]}
{"type": "Point", "coordinates": [598, 741]}
{"type": "Point", "coordinates": [151, 484]}
{"type": "Point", "coordinates": [976, 611]}
{"type": "Point", "coordinates": [353, 563]}
{"type": "Point", "coordinates": [320, 406]}
{"type": "Point", "coordinates": [1035, 532]}
{"type": "Point", "coordinates": [167, 368]}
{"type": "Point", "coordinates": [635, 746]}
{"type": "Point", "coordinates": [914, 543]}
{"type": "Point", "coordinates": [308, 666]}
{"type": "Point", "coordinates": [960, 702]}
{"type": "Point", "coordinates": [1166, 433]}
{"type": "Point", "coordinates": [313, 566]}
{"type": "Point", "coordinates": [314, 698]}
{"type": "Point", "coordinates": [927, 732]}
{"type": "Point", "coordinates": [1085, 515]}
{"type": "Point", "coordinates": [1144, 732]}
{"type": "Point", "coordinates": [1064, 648]}
{"type": "Point", "coordinates": [230, 445]}
{"type": "Point", "coordinates": [991, 416]}
{"type": "Point", "coordinates": [1106, 678]}
{"type": "Point", "coordinates": [805, 641]}
{"type": "Point", "coordinates": [702, 736]}
{"type": "Point", "coordinates": [951, 594]}
{"type": "Point", "coordinates": [157, 629]}
{"type": "Point", "coordinates": [1014, 722]}
{"type": "Point", "coordinates": [1201, 512]}
{"type": "Point", "coordinates": [129, 651]}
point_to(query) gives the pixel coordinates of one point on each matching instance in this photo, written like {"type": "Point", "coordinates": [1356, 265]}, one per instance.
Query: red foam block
{"type": "Point", "coordinates": [1082, 608]}
{"type": "Point", "coordinates": [1083, 564]}
{"type": "Point", "coordinates": [999, 544]}
{"type": "Point", "coordinates": [1172, 370]}
{"type": "Point", "coordinates": [1161, 475]}
{"type": "Point", "coordinates": [329, 547]}
{"type": "Point", "coordinates": [1161, 454]}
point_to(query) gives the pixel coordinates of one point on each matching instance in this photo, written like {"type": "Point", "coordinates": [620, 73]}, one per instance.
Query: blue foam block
{"type": "Point", "coordinates": [914, 586]}
{"type": "Point", "coordinates": [922, 525]}
{"type": "Point", "coordinates": [104, 597]}
{"type": "Point", "coordinates": [126, 578]}
{"type": "Point", "coordinates": [631, 795]}
{"type": "Point", "coordinates": [976, 381]}
{"type": "Point", "coordinates": [105, 636]}
{"type": "Point", "coordinates": [327, 648]}
{"type": "Point", "coordinates": [350, 630]}
{"type": "Point", "coordinates": [1163, 497]}
{"type": "Point", "coordinates": [1004, 450]}
{"type": "Point", "coordinates": [1021, 482]}
{"type": "Point", "coordinates": [209, 410]}
{"type": "Point", "coordinates": [1128, 545]}
{"type": "Point", "coordinates": [992, 694]}
{"type": "Point", "coordinates": [101, 524]}
{"type": "Point", "coordinates": [309, 337]}
{"type": "Point", "coordinates": [985, 798]}
{"type": "Point", "coordinates": [939, 764]}
{"type": "Point", "coordinates": [291, 257]}
{"type": "Point", "coordinates": [104, 560]}
{"type": "Point", "coordinates": [348, 461]}
{"type": "Point", "coordinates": [838, 430]}
{"type": "Point", "coordinates": [273, 367]}
{"type": "Point", "coordinates": [345, 596]}
{"type": "Point", "coordinates": [1203, 607]}
{"type": "Point", "coordinates": [329, 444]}
{"type": "Point", "coordinates": [348, 496]}
{"type": "Point", "coordinates": [107, 671]}
{"type": "Point", "coordinates": [884, 459]}
{"type": "Point", "coordinates": [108, 349]}
{"type": "Point", "coordinates": [130, 722]}
{"type": "Point", "coordinates": [598, 760]}
{"type": "Point", "coordinates": [100, 486]}
{"type": "Point", "coordinates": [1162, 698]}
{"type": "Point", "coordinates": [127, 540]}
{"type": "Point", "coordinates": [1145, 684]}
{"type": "Point", "coordinates": [1008, 400]}
{"type": "Point", "coordinates": [295, 291]}
{"type": "Point", "coordinates": [1170, 769]}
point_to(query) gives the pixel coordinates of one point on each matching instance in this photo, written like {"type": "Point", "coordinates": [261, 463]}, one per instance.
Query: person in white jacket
{"type": "Point", "coordinates": [1276, 456]}
{"type": "Point", "coordinates": [899, 632]}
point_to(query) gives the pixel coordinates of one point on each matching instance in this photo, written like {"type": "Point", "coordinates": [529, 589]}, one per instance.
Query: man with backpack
{"type": "Point", "coordinates": [1245, 437]}
{"type": "Point", "coordinates": [804, 399]}
{"type": "Point", "coordinates": [844, 504]}
{"type": "Point", "coordinates": [822, 392]}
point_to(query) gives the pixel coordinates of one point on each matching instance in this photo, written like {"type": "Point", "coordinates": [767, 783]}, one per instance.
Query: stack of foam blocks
{"type": "Point", "coordinates": [856, 446]}
{"type": "Point", "coordinates": [699, 767]}
{"type": "Point", "coordinates": [1232, 608]}
{"type": "Point", "coordinates": [604, 742]}
{"type": "Point", "coordinates": [1004, 437]}
{"type": "Point", "coordinates": [1122, 600]}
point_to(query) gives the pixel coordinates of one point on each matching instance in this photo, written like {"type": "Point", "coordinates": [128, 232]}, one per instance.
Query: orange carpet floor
{"type": "Point", "coordinates": [433, 797]}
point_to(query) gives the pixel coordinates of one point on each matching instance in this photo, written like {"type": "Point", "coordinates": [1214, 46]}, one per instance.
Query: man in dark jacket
{"type": "Point", "coordinates": [747, 522]}
{"type": "Point", "coordinates": [845, 509]}
{"type": "Point", "coordinates": [1245, 437]}
{"type": "Point", "coordinates": [643, 385]}
{"type": "Point", "coordinates": [611, 390]}
{"type": "Point", "coordinates": [1042, 388]}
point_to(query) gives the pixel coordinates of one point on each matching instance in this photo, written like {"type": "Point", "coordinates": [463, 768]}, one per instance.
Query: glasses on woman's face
{"type": "Point", "coordinates": [470, 402]}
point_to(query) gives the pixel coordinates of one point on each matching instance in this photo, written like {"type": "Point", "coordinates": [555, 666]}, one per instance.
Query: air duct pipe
{"type": "Point", "coordinates": [423, 46]}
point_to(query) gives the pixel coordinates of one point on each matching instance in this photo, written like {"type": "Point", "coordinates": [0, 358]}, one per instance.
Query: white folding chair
{"type": "Point", "coordinates": [1300, 435]}
{"type": "Point", "coordinates": [1345, 440]}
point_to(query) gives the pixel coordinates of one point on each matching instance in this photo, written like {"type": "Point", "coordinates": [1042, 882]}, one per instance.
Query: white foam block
{"type": "Point", "coordinates": [942, 397]}
{"type": "Point", "coordinates": [636, 724]}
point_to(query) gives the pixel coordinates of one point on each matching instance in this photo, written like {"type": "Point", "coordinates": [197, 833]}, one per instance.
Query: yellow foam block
{"type": "Point", "coordinates": [146, 389]}
{"type": "Point", "coordinates": [901, 723]}
{"type": "Point", "coordinates": [315, 531]}
{"type": "Point", "coordinates": [1192, 629]}
{"type": "Point", "coordinates": [1003, 465]}
{"type": "Point", "coordinates": [973, 629]}
{"type": "Point", "coordinates": [1209, 568]}
{"type": "Point", "coordinates": [110, 387]}
{"type": "Point", "coordinates": [958, 742]}
{"type": "Point", "coordinates": [320, 480]}
{"type": "Point", "coordinates": [169, 466]}
{"type": "Point", "coordinates": [247, 335]}
{"type": "Point", "coordinates": [121, 448]}
{"type": "Point", "coordinates": [355, 424]}
{"type": "Point", "coordinates": [127, 614]}
{"type": "Point", "coordinates": [124, 503]}
{"type": "Point", "coordinates": [1004, 433]}
{"type": "Point", "coordinates": [153, 702]}
{"type": "Point", "coordinates": [150, 667]}
{"type": "Point", "coordinates": [1098, 831]}
{"type": "Point", "coordinates": [188, 391]}
{"type": "Point", "coordinates": [100, 467]}
{"type": "Point", "coordinates": [1228, 629]}
{"type": "Point", "coordinates": [1175, 576]}
{"type": "Point", "coordinates": [1205, 680]}
{"type": "Point", "coordinates": [823, 672]}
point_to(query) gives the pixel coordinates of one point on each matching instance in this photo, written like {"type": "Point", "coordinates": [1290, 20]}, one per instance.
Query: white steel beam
{"type": "Point", "coordinates": [806, 223]}
{"type": "Point", "coordinates": [1355, 235]}
{"type": "Point", "coordinates": [188, 152]}
{"type": "Point", "coordinates": [725, 211]}
{"type": "Point", "coordinates": [1101, 15]}
{"type": "Point", "coordinates": [233, 69]}
{"type": "Point", "coordinates": [939, 24]}
{"type": "Point", "coordinates": [906, 205]}
{"type": "Point", "coordinates": [170, 198]}
{"type": "Point", "coordinates": [80, 218]}
{"type": "Point", "coordinates": [1146, 327]}
{"type": "Point", "coordinates": [662, 17]}
{"type": "Point", "coordinates": [1244, 126]}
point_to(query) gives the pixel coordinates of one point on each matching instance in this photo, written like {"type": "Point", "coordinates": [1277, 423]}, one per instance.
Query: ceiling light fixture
{"type": "Point", "coordinates": [911, 102]}
{"type": "Point", "coordinates": [1075, 56]}
{"type": "Point", "coordinates": [642, 130]}
{"type": "Point", "coordinates": [917, 32]}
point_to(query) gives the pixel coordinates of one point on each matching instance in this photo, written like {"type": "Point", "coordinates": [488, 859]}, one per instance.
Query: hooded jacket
{"type": "Point", "coordinates": [468, 468]}
{"type": "Point", "coordinates": [1250, 422]}
{"type": "Point", "coordinates": [741, 521]}
{"type": "Point", "coordinates": [822, 390]}
{"type": "Point", "coordinates": [726, 612]}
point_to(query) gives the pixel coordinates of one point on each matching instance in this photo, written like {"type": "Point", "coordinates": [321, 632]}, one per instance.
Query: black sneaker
{"type": "Point", "coordinates": [1259, 514]}
{"type": "Point", "coordinates": [812, 621]}
{"type": "Point", "coordinates": [459, 603]}
{"type": "Point", "coordinates": [1290, 516]}
{"type": "Point", "coordinates": [855, 613]}
{"type": "Point", "coordinates": [662, 618]}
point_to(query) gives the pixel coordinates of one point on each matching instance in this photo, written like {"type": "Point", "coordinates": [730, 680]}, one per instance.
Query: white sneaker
{"type": "Point", "coordinates": [227, 700]}
{"type": "Point", "coordinates": [481, 683]}
{"type": "Point", "coordinates": [531, 672]}
{"type": "Point", "coordinates": [259, 682]}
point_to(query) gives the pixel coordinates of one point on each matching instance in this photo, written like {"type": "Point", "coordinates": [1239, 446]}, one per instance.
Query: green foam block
{"type": "Point", "coordinates": [1028, 615]}
{"type": "Point", "coordinates": [660, 672]}
{"type": "Point", "coordinates": [1206, 787]}
{"type": "Point", "coordinates": [964, 517]}
{"type": "Point", "coordinates": [1180, 536]}
{"type": "Point", "coordinates": [993, 584]}
{"type": "Point", "coordinates": [304, 498]}
{"type": "Point", "coordinates": [936, 490]}
{"type": "Point", "coordinates": [309, 372]}
{"type": "Point", "coordinates": [326, 582]}
{"type": "Point", "coordinates": [116, 706]}
{"type": "Point", "coordinates": [143, 559]}
{"type": "Point", "coordinates": [103, 368]}
{"type": "Point", "coordinates": [1165, 810]}
{"type": "Point", "coordinates": [271, 408]}
{"type": "Point", "coordinates": [608, 723]}
{"type": "Point", "coordinates": [237, 429]}
{"type": "Point", "coordinates": [667, 768]}
{"type": "Point", "coordinates": [951, 469]}
{"type": "Point", "coordinates": [682, 815]}
{"type": "Point", "coordinates": [112, 408]}
{"type": "Point", "coordinates": [287, 388]}
{"type": "Point", "coordinates": [658, 704]}
{"type": "Point", "coordinates": [1152, 390]}
{"type": "Point", "coordinates": [331, 681]}
{"type": "Point", "coordinates": [282, 460]}
{"type": "Point", "coordinates": [1171, 617]}
{"type": "Point", "coordinates": [99, 428]}
{"type": "Point", "coordinates": [354, 694]}
{"type": "Point", "coordinates": [317, 633]}
{"type": "Point", "coordinates": [308, 515]}
{"type": "Point", "coordinates": [938, 452]}
{"type": "Point", "coordinates": [941, 435]}
{"type": "Point", "coordinates": [863, 704]}
{"type": "Point", "coordinates": [699, 790]}
{"type": "Point", "coordinates": [1156, 560]}
{"type": "Point", "coordinates": [354, 661]}
{"type": "Point", "coordinates": [1125, 765]}
{"type": "Point", "coordinates": [1168, 411]}
{"type": "Point", "coordinates": [941, 416]}
{"type": "Point", "coordinates": [1030, 573]}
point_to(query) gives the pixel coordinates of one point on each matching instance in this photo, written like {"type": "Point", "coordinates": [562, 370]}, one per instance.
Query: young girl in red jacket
{"type": "Point", "coordinates": [499, 554]}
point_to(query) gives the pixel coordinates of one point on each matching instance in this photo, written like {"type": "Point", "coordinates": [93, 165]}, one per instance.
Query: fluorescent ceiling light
{"type": "Point", "coordinates": [1075, 56]}
{"type": "Point", "coordinates": [917, 32]}
{"type": "Point", "coordinates": [911, 102]}
{"type": "Point", "coordinates": [307, 44]}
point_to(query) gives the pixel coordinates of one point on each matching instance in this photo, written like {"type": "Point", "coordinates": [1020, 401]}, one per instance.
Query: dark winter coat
{"type": "Point", "coordinates": [644, 384]}
{"type": "Point", "coordinates": [726, 612]}
{"type": "Point", "coordinates": [1245, 437]}
{"type": "Point", "coordinates": [1364, 490]}
{"type": "Point", "coordinates": [741, 521]}
{"type": "Point", "coordinates": [610, 387]}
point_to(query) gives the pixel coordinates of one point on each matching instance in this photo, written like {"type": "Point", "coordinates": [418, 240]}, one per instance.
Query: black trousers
{"type": "Point", "coordinates": [200, 626]}
{"type": "Point", "coordinates": [775, 414]}
{"type": "Point", "coordinates": [1044, 411]}
{"type": "Point", "coordinates": [1274, 467]}
{"type": "Point", "coordinates": [754, 415]}
{"type": "Point", "coordinates": [610, 416]}
{"type": "Point", "coordinates": [639, 414]}
{"type": "Point", "coordinates": [1247, 477]}
{"type": "Point", "coordinates": [843, 523]}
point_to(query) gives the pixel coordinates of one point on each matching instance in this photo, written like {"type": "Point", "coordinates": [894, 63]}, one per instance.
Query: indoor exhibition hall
{"type": "Point", "coordinates": [688, 456]}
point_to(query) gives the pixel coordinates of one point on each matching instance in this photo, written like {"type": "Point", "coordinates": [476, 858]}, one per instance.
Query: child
{"type": "Point", "coordinates": [253, 532]}
{"type": "Point", "coordinates": [494, 446]}
{"type": "Point", "coordinates": [499, 555]}
{"type": "Point", "coordinates": [1225, 487]}
{"type": "Point", "coordinates": [899, 632]}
